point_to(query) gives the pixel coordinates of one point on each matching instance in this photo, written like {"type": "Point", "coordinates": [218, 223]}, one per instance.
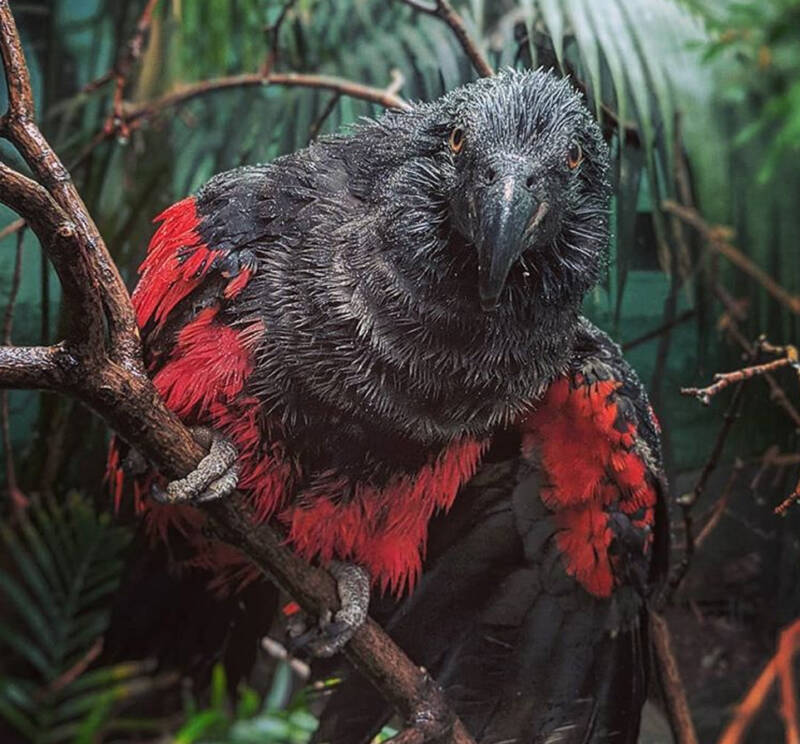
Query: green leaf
{"type": "Point", "coordinates": [280, 689]}
{"type": "Point", "coordinates": [69, 555]}
{"type": "Point", "coordinates": [248, 702]}
{"type": "Point", "coordinates": [589, 49]}
{"type": "Point", "coordinates": [93, 723]}
{"type": "Point", "coordinates": [219, 688]}
{"type": "Point", "coordinates": [554, 22]}
{"type": "Point", "coordinates": [19, 643]}
{"type": "Point", "coordinates": [201, 724]}
{"type": "Point", "coordinates": [28, 612]}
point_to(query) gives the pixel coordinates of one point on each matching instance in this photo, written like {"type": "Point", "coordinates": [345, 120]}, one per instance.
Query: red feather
{"type": "Point", "coordinates": [177, 262]}
{"type": "Point", "coordinates": [384, 530]}
{"type": "Point", "coordinates": [203, 381]}
{"type": "Point", "coordinates": [589, 463]}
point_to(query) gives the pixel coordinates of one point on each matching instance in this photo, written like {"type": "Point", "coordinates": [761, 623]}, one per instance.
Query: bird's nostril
{"type": "Point", "coordinates": [529, 181]}
{"type": "Point", "coordinates": [491, 174]}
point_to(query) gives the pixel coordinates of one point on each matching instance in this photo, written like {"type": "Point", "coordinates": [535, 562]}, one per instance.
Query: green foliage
{"type": "Point", "coordinates": [63, 565]}
{"type": "Point", "coordinates": [280, 717]}
{"type": "Point", "coordinates": [760, 43]}
{"type": "Point", "coordinates": [277, 719]}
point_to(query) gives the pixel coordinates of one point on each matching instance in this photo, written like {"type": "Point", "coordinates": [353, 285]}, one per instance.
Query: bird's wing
{"type": "Point", "coordinates": [201, 256]}
{"type": "Point", "coordinates": [199, 340]}
{"type": "Point", "coordinates": [531, 609]}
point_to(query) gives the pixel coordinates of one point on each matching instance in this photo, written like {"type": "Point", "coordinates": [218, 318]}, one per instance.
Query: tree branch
{"type": "Point", "coordinates": [125, 62]}
{"type": "Point", "coordinates": [107, 375]}
{"type": "Point", "coordinates": [383, 97]}
{"type": "Point", "coordinates": [443, 10]}
{"type": "Point", "coordinates": [59, 239]}
{"type": "Point", "coordinates": [688, 500]}
{"type": "Point", "coordinates": [677, 706]}
{"type": "Point", "coordinates": [717, 238]}
{"type": "Point", "coordinates": [724, 379]}
{"type": "Point", "coordinates": [34, 367]}
{"type": "Point", "coordinates": [779, 666]}
{"type": "Point", "coordinates": [133, 116]}
{"type": "Point", "coordinates": [18, 125]}
{"type": "Point", "coordinates": [734, 313]}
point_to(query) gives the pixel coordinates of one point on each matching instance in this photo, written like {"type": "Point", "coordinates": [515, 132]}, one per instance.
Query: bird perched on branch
{"type": "Point", "coordinates": [353, 327]}
{"type": "Point", "coordinates": [531, 611]}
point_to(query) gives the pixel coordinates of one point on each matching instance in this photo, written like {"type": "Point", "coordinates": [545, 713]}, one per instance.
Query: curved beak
{"type": "Point", "coordinates": [509, 211]}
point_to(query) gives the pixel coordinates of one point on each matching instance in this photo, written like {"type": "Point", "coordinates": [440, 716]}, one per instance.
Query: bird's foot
{"type": "Point", "coordinates": [330, 634]}
{"type": "Point", "coordinates": [215, 477]}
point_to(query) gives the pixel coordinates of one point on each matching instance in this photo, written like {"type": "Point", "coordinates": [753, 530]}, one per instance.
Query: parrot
{"type": "Point", "coordinates": [532, 607]}
{"type": "Point", "coordinates": [355, 330]}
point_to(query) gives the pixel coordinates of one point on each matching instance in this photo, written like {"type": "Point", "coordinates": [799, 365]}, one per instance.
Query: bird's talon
{"type": "Point", "coordinates": [333, 631]}
{"type": "Point", "coordinates": [215, 477]}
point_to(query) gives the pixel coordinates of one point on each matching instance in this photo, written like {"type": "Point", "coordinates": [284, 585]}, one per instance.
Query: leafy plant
{"type": "Point", "coordinates": [277, 719]}
{"type": "Point", "coordinates": [760, 42]}
{"type": "Point", "coordinates": [63, 565]}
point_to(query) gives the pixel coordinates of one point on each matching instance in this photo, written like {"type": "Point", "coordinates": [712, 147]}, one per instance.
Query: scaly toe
{"type": "Point", "coordinates": [215, 476]}
{"type": "Point", "coordinates": [332, 634]}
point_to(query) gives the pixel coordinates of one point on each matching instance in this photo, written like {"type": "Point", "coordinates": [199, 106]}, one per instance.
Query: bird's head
{"type": "Point", "coordinates": [526, 182]}
{"type": "Point", "coordinates": [450, 247]}
{"type": "Point", "coordinates": [514, 166]}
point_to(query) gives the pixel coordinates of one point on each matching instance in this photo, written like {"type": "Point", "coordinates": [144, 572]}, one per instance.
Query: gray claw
{"type": "Point", "coordinates": [353, 587]}
{"type": "Point", "coordinates": [215, 477]}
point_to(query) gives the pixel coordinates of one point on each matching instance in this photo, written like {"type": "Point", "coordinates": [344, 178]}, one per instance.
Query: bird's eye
{"type": "Point", "coordinates": [456, 139]}
{"type": "Point", "coordinates": [574, 156]}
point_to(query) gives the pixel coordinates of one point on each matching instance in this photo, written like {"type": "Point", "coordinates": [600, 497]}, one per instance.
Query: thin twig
{"type": "Point", "coordinates": [734, 311]}
{"type": "Point", "coordinates": [123, 67]}
{"type": "Point", "coordinates": [381, 96]}
{"type": "Point", "coordinates": [313, 130]}
{"type": "Point", "coordinates": [773, 458]}
{"type": "Point", "coordinates": [11, 228]}
{"type": "Point", "coordinates": [136, 115]}
{"type": "Point", "coordinates": [787, 646]}
{"type": "Point", "coordinates": [688, 500]}
{"type": "Point", "coordinates": [662, 329]}
{"type": "Point", "coordinates": [676, 703]}
{"type": "Point", "coordinates": [714, 515]}
{"type": "Point", "coordinates": [717, 238]}
{"type": "Point", "coordinates": [273, 32]}
{"type": "Point", "coordinates": [790, 500]}
{"type": "Point", "coordinates": [753, 702]}
{"type": "Point", "coordinates": [725, 379]}
{"type": "Point", "coordinates": [443, 10]}
{"type": "Point", "coordinates": [78, 668]}
{"type": "Point", "coordinates": [398, 80]}
{"type": "Point", "coordinates": [16, 278]}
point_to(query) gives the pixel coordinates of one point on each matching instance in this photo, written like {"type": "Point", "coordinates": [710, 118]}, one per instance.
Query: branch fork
{"type": "Point", "coordinates": [99, 362]}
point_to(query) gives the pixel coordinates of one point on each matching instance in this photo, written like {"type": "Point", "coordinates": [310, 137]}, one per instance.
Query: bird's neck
{"type": "Point", "coordinates": [383, 332]}
{"type": "Point", "coordinates": [432, 363]}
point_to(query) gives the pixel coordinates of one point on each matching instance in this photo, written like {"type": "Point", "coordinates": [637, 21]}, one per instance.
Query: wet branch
{"type": "Point", "coordinates": [443, 10]}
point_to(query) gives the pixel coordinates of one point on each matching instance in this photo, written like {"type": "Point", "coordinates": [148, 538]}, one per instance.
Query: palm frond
{"type": "Point", "coordinates": [64, 564]}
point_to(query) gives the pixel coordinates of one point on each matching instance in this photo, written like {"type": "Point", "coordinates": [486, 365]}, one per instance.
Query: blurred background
{"type": "Point", "coordinates": [700, 101]}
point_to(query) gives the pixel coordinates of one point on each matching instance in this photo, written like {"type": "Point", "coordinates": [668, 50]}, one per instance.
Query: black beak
{"type": "Point", "coordinates": [508, 212]}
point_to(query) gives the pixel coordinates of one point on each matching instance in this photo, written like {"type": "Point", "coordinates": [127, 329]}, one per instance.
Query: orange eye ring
{"type": "Point", "coordinates": [456, 140]}
{"type": "Point", "coordinates": [574, 156]}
